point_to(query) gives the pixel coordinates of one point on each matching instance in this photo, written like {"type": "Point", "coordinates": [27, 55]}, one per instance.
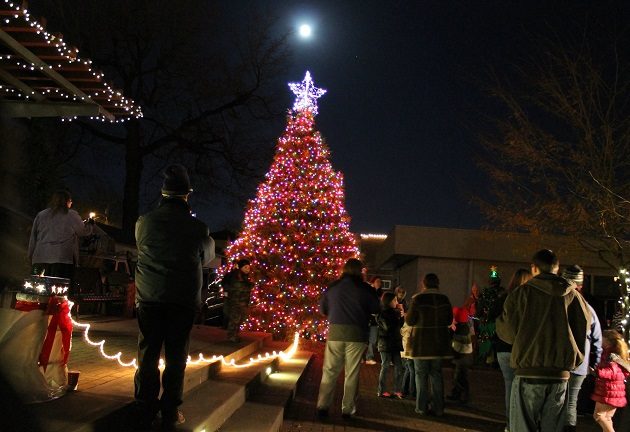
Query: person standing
{"type": "Point", "coordinates": [575, 274]}
{"type": "Point", "coordinates": [401, 296]}
{"type": "Point", "coordinates": [53, 248]}
{"type": "Point", "coordinates": [504, 349]}
{"type": "Point", "coordinates": [348, 304]}
{"type": "Point", "coordinates": [172, 248]}
{"type": "Point", "coordinates": [546, 321]}
{"type": "Point", "coordinates": [463, 355]}
{"type": "Point", "coordinates": [376, 283]}
{"type": "Point", "coordinates": [409, 373]}
{"type": "Point", "coordinates": [238, 288]}
{"type": "Point", "coordinates": [430, 317]}
{"type": "Point", "coordinates": [389, 320]}
{"type": "Point", "coordinates": [610, 379]}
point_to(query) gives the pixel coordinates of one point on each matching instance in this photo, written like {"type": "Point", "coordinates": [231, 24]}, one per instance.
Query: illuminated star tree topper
{"type": "Point", "coordinates": [306, 94]}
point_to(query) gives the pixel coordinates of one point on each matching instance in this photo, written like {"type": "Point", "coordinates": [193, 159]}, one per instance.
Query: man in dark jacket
{"type": "Point", "coordinates": [546, 320]}
{"type": "Point", "coordinates": [348, 304]}
{"type": "Point", "coordinates": [429, 341]}
{"type": "Point", "coordinates": [172, 248]}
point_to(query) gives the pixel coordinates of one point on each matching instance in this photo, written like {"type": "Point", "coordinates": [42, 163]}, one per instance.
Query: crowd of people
{"type": "Point", "coordinates": [544, 336]}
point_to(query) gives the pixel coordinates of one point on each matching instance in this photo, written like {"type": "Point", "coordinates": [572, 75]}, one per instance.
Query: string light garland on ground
{"type": "Point", "coordinates": [201, 359]}
{"type": "Point", "coordinates": [296, 231]}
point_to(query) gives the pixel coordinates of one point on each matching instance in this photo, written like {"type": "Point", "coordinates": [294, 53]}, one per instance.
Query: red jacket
{"type": "Point", "coordinates": [610, 387]}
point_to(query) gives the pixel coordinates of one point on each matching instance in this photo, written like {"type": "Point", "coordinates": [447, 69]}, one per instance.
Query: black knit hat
{"type": "Point", "coordinates": [574, 273]}
{"type": "Point", "coordinates": [176, 181]}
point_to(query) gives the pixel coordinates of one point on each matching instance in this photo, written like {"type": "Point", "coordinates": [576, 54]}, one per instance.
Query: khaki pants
{"type": "Point", "coordinates": [338, 355]}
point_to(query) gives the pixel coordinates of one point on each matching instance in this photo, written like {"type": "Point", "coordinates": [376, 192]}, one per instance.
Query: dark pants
{"type": "Point", "coordinates": [461, 388]}
{"type": "Point", "coordinates": [168, 325]}
{"type": "Point", "coordinates": [237, 313]}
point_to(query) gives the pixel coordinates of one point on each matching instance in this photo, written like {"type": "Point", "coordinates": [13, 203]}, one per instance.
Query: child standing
{"type": "Point", "coordinates": [463, 350]}
{"type": "Point", "coordinates": [610, 387]}
{"type": "Point", "coordinates": [390, 320]}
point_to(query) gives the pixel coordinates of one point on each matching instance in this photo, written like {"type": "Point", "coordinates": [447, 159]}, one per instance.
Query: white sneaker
{"type": "Point", "coordinates": [370, 362]}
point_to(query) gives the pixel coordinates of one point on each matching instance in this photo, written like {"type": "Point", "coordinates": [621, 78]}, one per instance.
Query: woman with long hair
{"type": "Point", "coordinates": [610, 379]}
{"type": "Point", "coordinates": [53, 248]}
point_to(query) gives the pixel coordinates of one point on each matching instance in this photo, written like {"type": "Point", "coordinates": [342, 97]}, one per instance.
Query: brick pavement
{"type": "Point", "coordinates": [483, 414]}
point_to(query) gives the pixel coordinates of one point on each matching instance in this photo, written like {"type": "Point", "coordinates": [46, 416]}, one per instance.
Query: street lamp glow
{"type": "Point", "coordinates": [305, 30]}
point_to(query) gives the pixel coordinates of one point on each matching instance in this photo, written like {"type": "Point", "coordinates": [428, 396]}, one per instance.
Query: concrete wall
{"type": "Point", "coordinates": [463, 257]}
{"type": "Point", "coordinates": [409, 277]}
{"type": "Point", "coordinates": [485, 246]}
{"type": "Point", "coordinates": [453, 276]}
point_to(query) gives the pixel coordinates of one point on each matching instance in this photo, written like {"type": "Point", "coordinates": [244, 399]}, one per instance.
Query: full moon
{"type": "Point", "coordinates": [305, 30]}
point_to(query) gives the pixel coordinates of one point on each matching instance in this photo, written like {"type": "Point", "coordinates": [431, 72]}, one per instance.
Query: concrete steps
{"type": "Point", "coordinates": [246, 399]}
{"type": "Point", "coordinates": [217, 397]}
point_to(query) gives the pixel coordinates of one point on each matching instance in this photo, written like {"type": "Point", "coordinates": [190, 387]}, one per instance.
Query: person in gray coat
{"type": "Point", "coordinates": [172, 248]}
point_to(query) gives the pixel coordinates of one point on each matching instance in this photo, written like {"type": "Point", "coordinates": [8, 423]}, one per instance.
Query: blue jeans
{"type": "Point", "coordinates": [409, 377]}
{"type": "Point", "coordinates": [538, 405]}
{"type": "Point", "coordinates": [386, 358]}
{"type": "Point", "coordinates": [369, 355]}
{"type": "Point", "coordinates": [575, 384]}
{"type": "Point", "coordinates": [429, 371]}
{"type": "Point", "coordinates": [508, 376]}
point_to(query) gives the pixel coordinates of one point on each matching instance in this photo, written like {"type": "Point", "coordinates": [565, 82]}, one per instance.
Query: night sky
{"type": "Point", "coordinates": [405, 97]}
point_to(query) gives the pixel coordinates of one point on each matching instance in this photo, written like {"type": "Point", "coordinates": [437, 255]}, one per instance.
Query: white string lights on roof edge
{"type": "Point", "coordinates": [284, 355]}
{"type": "Point", "coordinates": [373, 236]}
{"type": "Point", "coordinates": [72, 56]}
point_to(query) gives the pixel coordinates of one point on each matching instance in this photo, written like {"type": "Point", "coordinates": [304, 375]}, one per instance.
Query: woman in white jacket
{"type": "Point", "coordinates": [54, 247]}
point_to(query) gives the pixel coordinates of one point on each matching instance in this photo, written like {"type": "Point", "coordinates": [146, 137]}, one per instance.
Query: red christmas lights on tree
{"type": "Point", "coordinates": [296, 231]}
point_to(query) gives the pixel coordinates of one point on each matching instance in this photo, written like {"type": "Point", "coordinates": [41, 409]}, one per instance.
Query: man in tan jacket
{"type": "Point", "coordinates": [546, 320]}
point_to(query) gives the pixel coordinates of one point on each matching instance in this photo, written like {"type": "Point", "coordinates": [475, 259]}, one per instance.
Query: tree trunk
{"type": "Point", "coordinates": [133, 174]}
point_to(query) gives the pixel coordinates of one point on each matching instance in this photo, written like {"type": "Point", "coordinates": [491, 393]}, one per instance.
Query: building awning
{"type": "Point", "coordinates": [41, 76]}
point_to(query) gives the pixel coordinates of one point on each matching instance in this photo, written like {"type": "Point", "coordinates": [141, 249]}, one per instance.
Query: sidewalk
{"type": "Point", "coordinates": [483, 414]}
{"type": "Point", "coordinates": [104, 383]}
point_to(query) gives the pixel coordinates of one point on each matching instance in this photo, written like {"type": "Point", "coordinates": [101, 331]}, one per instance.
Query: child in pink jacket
{"type": "Point", "coordinates": [610, 375]}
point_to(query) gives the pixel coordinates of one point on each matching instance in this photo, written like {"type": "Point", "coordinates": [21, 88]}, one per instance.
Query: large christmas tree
{"type": "Point", "coordinates": [296, 231]}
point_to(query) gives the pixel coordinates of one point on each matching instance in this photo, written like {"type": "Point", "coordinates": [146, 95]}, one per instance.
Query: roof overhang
{"type": "Point", "coordinates": [40, 76]}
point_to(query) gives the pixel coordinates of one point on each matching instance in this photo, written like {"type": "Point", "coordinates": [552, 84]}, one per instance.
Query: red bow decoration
{"type": "Point", "coordinates": [60, 311]}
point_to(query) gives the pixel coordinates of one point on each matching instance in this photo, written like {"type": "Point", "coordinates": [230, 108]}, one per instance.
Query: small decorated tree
{"type": "Point", "coordinates": [296, 231]}
{"type": "Point", "coordinates": [486, 305]}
